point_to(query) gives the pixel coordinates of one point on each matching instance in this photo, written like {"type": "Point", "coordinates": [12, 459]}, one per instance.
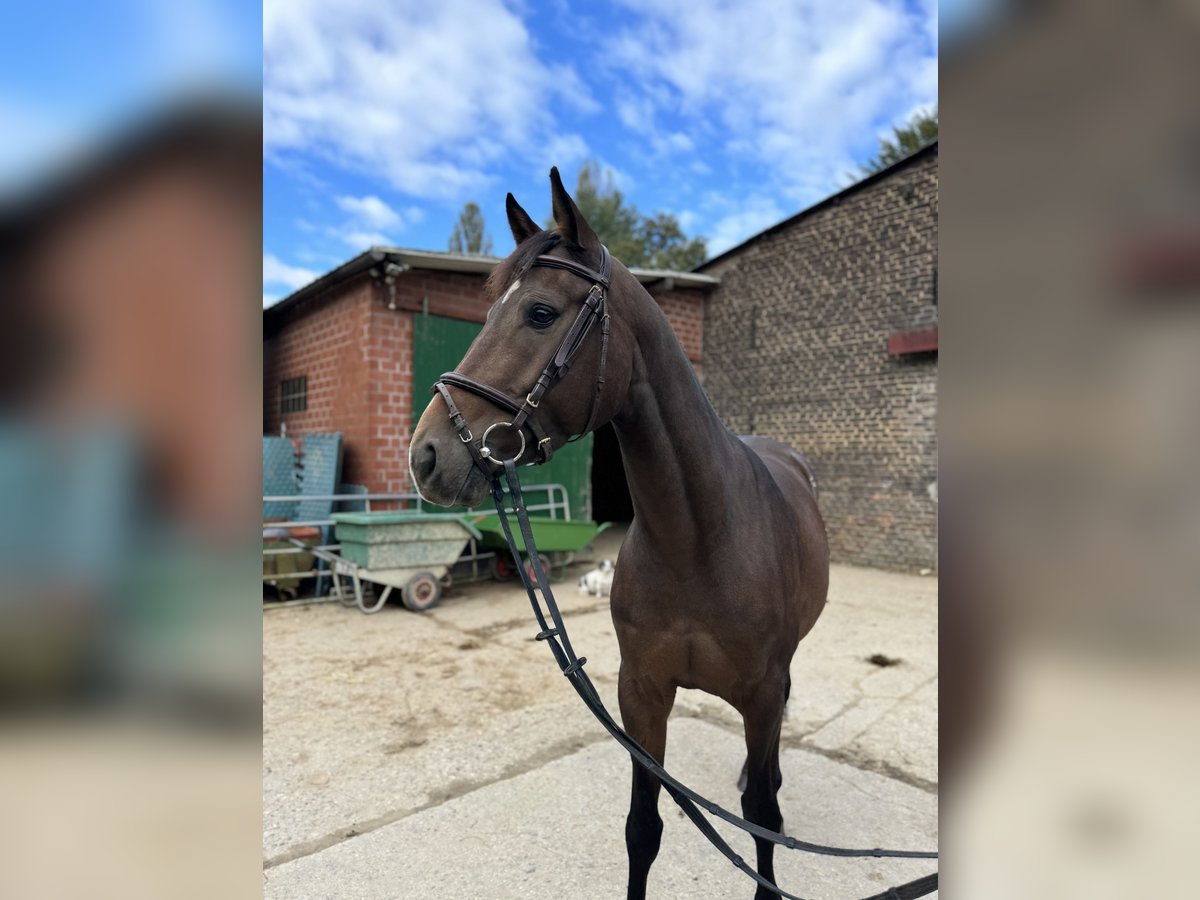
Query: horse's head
{"type": "Point", "coordinates": [550, 363]}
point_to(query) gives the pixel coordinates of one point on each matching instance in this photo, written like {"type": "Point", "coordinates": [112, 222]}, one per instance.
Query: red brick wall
{"type": "Point", "coordinates": [358, 356]}
{"type": "Point", "coordinates": [448, 293]}
{"type": "Point", "coordinates": [684, 308]}
{"type": "Point", "coordinates": [389, 360]}
{"type": "Point", "coordinates": [325, 338]}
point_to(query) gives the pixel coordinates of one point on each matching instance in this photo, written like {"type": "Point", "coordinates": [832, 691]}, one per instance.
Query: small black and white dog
{"type": "Point", "coordinates": [598, 582]}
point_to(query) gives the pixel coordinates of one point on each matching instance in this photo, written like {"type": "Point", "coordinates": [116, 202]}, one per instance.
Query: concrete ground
{"type": "Point", "coordinates": [441, 754]}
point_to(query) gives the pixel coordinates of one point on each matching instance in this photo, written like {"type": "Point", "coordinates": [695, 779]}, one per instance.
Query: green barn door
{"type": "Point", "coordinates": [438, 345]}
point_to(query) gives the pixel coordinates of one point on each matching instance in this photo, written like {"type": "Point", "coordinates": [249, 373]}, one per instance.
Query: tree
{"type": "Point", "coordinates": [653, 242]}
{"type": "Point", "coordinates": [470, 235]}
{"type": "Point", "coordinates": [921, 131]}
{"type": "Point", "coordinates": [667, 247]}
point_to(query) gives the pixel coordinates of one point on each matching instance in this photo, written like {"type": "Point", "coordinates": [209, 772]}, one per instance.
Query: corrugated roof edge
{"type": "Point", "coordinates": [821, 204]}
{"type": "Point", "coordinates": [453, 262]}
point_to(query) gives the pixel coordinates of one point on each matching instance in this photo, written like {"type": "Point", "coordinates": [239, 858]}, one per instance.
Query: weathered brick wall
{"type": "Point", "coordinates": [684, 309]}
{"type": "Point", "coordinates": [358, 357]}
{"type": "Point", "coordinates": [450, 294]}
{"type": "Point", "coordinates": [326, 339]}
{"type": "Point", "coordinates": [795, 349]}
{"type": "Point", "coordinates": [389, 390]}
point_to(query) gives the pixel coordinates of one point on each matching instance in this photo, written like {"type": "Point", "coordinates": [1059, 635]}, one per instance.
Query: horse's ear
{"type": "Point", "coordinates": [518, 220]}
{"type": "Point", "coordinates": [571, 223]}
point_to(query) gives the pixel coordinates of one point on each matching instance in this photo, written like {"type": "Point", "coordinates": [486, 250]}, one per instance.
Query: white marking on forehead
{"type": "Point", "coordinates": [516, 284]}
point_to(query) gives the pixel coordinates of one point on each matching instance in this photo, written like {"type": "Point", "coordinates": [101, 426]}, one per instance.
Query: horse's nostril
{"type": "Point", "coordinates": [424, 460]}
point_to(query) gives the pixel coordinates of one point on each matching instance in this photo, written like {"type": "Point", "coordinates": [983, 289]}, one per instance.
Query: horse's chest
{"type": "Point", "coordinates": [699, 619]}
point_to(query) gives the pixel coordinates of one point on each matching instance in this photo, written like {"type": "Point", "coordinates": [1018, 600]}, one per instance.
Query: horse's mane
{"type": "Point", "coordinates": [520, 261]}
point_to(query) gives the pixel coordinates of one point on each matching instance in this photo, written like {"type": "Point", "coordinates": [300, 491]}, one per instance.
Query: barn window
{"type": "Point", "coordinates": [293, 394]}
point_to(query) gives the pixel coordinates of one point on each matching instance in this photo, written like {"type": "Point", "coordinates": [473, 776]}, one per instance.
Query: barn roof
{"type": "Point", "coordinates": [831, 200]}
{"type": "Point", "coordinates": [456, 262]}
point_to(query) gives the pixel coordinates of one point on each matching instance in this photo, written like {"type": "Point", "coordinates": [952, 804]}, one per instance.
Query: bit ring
{"type": "Point", "coordinates": [486, 451]}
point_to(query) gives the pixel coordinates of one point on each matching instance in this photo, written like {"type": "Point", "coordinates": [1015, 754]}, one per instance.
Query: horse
{"type": "Point", "coordinates": [725, 566]}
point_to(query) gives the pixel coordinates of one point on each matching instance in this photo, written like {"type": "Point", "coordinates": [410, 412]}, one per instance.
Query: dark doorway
{"type": "Point", "coordinates": [610, 490]}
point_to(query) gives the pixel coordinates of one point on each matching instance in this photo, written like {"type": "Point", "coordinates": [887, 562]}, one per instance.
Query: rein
{"type": "Point", "coordinates": [554, 633]}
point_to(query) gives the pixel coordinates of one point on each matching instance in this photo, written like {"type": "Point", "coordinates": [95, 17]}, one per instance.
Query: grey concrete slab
{"type": "Point", "coordinates": [557, 831]}
{"type": "Point", "coordinates": [404, 715]}
{"type": "Point", "coordinates": [371, 722]}
{"type": "Point", "coordinates": [487, 608]}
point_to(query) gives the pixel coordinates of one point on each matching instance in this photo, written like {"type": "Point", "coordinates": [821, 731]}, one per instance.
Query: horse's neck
{"type": "Point", "coordinates": [683, 465]}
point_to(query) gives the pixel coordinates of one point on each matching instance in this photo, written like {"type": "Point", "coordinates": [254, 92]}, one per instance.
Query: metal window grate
{"type": "Point", "coordinates": [293, 394]}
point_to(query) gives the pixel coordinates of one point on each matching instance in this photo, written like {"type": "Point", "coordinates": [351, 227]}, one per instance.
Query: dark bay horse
{"type": "Point", "coordinates": [725, 566]}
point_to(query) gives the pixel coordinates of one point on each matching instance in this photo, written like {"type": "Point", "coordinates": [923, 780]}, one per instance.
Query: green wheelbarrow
{"type": "Point", "coordinates": [557, 542]}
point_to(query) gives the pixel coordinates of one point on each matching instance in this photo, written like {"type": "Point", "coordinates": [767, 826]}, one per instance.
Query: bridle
{"type": "Point", "coordinates": [524, 413]}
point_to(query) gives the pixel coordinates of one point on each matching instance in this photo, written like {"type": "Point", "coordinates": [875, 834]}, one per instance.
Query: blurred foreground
{"type": "Point", "coordinates": [1070, 257]}
{"type": "Point", "coordinates": [130, 381]}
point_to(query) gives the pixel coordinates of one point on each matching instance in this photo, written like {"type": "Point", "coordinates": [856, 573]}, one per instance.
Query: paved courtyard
{"type": "Point", "coordinates": [441, 754]}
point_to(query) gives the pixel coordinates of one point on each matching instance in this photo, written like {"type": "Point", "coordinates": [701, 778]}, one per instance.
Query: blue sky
{"type": "Point", "coordinates": [72, 73]}
{"type": "Point", "coordinates": [381, 119]}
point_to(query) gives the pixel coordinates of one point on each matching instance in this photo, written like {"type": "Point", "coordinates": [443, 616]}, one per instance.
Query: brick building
{"type": "Point", "coordinates": [823, 334]}
{"type": "Point", "coordinates": [820, 332]}
{"type": "Point", "coordinates": [357, 350]}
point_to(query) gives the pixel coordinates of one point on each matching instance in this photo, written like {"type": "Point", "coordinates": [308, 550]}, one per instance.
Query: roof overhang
{"type": "Point", "coordinates": [431, 260]}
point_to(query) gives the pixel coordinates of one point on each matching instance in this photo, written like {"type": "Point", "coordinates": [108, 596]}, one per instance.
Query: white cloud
{"type": "Point", "coordinates": [564, 151]}
{"type": "Point", "coordinates": [752, 216]}
{"type": "Point", "coordinates": [361, 240]}
{"type": "Point", "coordinates": [277, 272]}
{"type": "Point", "coordinates": [372, 222]}
{"type": "Point", "coordinates": [638, 114]}
{"type": "Point", "coordinates": [803, 86]}
{"type": "Point", "coordinates": [370, 210]}
{"type": "Point", "coordinates": [424, 96]}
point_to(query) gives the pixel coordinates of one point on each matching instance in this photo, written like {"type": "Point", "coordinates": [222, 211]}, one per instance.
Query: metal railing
{"type": "Point", "coordinates": [557, 505]}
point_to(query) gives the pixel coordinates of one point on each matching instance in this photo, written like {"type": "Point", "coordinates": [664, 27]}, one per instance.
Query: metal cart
{"type": "Point", "coordinates": [409, 550]}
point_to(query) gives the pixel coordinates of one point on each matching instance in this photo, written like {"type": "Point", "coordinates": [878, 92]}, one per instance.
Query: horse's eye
{"type": "Point", "coordinates": [542, 316]}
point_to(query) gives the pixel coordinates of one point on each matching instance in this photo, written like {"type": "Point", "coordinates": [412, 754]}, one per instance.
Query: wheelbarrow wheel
{"type": "Point", "coordinates": [545, 561]}
{"type": "Point", "coordinates": [422, 592]}
{"type": "Point", "coordinates": [502, 567]}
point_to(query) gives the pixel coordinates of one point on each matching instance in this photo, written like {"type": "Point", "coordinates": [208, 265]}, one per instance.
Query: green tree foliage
{"type": "Point", "coordinates": [652, 242]}
{"type": "Point", "coordinates": [921, 131]}
{"type": "Point", "coordinates": [470, 235]}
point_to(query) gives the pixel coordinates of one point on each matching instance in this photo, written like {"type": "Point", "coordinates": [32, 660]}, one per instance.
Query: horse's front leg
{"type": "Point", "coordinates": [763, 716]}
{"type": "Point", "coordinates": [644, 710]}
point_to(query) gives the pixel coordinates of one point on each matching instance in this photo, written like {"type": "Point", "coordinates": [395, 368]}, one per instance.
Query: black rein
{"type": "Point", "coordinates": [554, 633]}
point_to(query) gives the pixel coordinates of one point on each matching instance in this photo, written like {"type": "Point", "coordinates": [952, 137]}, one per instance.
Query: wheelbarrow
{"type": "Point", "coordinates": [412, 551]}
{"type": "Point", "coordinates": [558, 540]}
